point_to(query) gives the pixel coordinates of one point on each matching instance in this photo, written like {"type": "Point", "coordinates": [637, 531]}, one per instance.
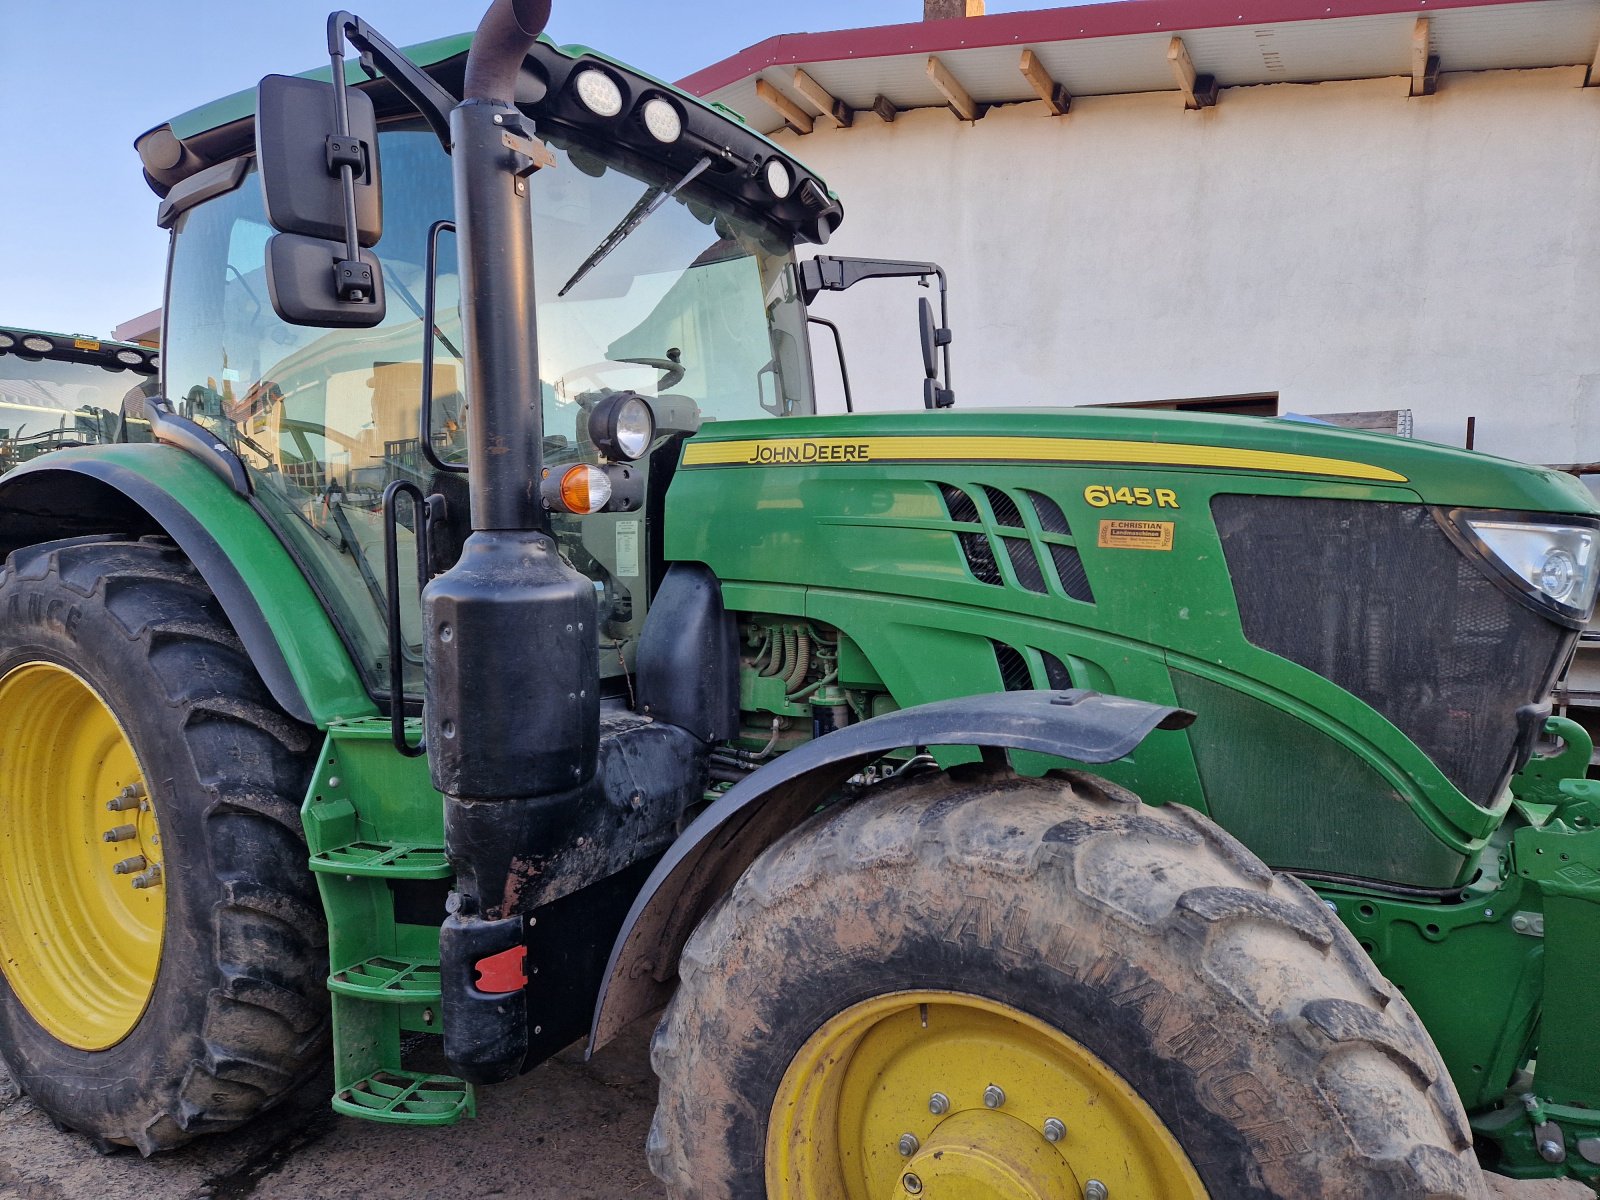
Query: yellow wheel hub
{"type": "Point", "coordinates": [82, 904]}
{"type": "Point", "coordinates": [945, 1096]}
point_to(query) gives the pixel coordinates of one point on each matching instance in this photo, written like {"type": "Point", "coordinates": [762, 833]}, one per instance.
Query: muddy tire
{"type": "Point", "coordinates": [1226, 997]}
{"type": "Point", "coordinates": [227, 1010]}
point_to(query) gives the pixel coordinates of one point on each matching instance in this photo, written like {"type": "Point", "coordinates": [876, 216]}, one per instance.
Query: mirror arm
{"type": "Point", "coordinates": [352, 276]}
{"type": "Point", "coordinates": [432, 100]}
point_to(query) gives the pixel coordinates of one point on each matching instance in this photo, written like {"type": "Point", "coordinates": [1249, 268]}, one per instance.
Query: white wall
{"type": "Point", "coordinates": [1341, 244]}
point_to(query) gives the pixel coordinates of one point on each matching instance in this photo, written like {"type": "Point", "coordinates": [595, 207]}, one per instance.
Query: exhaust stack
{"type": "Point", "coordinates": [511, 658]}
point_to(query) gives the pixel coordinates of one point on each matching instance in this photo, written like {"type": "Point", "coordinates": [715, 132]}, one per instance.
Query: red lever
{"type": "Point", "coordinates": [503, 972]}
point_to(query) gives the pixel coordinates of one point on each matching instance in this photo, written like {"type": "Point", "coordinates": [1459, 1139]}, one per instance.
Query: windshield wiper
{"type": "Point", "coordinates": [652, 199]}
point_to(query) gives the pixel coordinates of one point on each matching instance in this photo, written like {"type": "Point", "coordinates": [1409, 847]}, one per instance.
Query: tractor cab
{"type": "Point", "coordinates": [695, 307]}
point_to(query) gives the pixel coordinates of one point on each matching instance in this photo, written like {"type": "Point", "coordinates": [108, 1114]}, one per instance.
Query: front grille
{"type": "Point", "coordinates": [1375, 598]}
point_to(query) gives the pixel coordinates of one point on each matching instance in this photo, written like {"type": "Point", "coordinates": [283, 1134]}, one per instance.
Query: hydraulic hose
{"type": "Point", "coordinates": [801, 663]}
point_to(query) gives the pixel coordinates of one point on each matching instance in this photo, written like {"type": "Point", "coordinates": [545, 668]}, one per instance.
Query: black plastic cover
{"type": "Point", "coordinates": [516, 623]}
{"type": "Point", "coordinates": [485, 1033]}
{"type": "Point", "coordinates": [689, 656]}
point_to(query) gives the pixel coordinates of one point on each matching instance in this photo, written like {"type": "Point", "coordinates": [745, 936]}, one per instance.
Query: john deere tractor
{"type": "Point", "coordinates": [59, 390]}
{"type": "Point", "coordinates": [496, 644]}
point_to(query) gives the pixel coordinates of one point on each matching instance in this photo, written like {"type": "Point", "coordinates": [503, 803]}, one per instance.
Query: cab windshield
{"type": "Point", "coordinates": [47, 403]}
{"type": "Point", "coordinates": [697, 310]}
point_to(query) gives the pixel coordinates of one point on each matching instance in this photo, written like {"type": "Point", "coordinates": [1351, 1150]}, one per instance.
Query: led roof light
{"type": "Point", "coordinates": [662, 120]}
{"type": "Point", "coordinates": [39, 345]}
{"type": "Point", "coordinates": [779, 180]}
{"type": "Point", "coordinates": [599, 92]}
{"type": "Point", "coordinates": [7, 341]}
{"type": "Point", "coordinates": [132, 357]}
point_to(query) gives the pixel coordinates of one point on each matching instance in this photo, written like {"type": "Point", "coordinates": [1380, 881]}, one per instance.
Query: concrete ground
{"type": "Point", "coordinates": [570, 1129]}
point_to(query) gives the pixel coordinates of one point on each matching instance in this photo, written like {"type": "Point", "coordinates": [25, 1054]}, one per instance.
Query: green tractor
{"type": "Point", "coordinates": [60, 390]}
{"type": "Point", "coordinates": [495, 644]}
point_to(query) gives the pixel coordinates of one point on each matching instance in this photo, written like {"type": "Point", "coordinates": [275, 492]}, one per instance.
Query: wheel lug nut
{"type": "Point", "coordinates": [993, 1096]}
{"type": "Point", "coordinates": [121, 833]}
{"type": "Point", "coordinates": [128, 797]}
{"type": "Point", "coordinates": [130, 865]}
{"type": "Point", "coordinates": [938, 1104]}
{"type": "Point", "coordinates": [911, 1183]}
{"type": "Point", "coordinates": [909, 1145]}
{"type": "Point", "coordinates": [1054, 1130]}
{"type": "Point", "coordinates": [148, 879]}
{"type": "Point", "coordinates": [1095, 1190]}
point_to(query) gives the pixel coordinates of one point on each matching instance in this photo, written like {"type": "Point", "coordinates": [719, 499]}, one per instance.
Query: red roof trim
{"type": "Point", "coordinates": [1045, 25]}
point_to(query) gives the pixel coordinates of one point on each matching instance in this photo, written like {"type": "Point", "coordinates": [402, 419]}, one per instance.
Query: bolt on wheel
{"type": "Point", "coordinates": [82, 909]}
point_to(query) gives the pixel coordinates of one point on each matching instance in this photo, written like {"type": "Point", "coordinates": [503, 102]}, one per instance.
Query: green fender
{"type": "Point", "coordinates": [146, 489]}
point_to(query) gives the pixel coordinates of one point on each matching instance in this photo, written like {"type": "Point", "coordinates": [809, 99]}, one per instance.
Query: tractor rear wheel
{"type": "Point", "coordinates": [162, 947]}
{"type": "Point", "coordinates": [975, 984]}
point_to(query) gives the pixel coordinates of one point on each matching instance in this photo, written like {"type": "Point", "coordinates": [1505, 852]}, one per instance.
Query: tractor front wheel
{"type": "Point", "coordinates": [975, 984]}
{"type": "Point", "coordinates": [162, 948]}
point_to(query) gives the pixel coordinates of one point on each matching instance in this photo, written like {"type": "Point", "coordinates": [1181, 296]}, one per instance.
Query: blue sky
{"type": "Point", "coordinates": [80, 79]}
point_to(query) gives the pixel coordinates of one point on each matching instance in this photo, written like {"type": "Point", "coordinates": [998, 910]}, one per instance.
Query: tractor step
{"type": "Point", "coordinates": [384, 860]}
{"type": "Point", "coordinates": [371, 847]}
{"type": "Point", "coordinates": [407, 1098]}
{"type": "Point", "coordinates": [389, 979]}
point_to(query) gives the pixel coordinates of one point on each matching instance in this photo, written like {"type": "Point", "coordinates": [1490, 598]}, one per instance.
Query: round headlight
{"type": "Point", "coordinates": [7, 341]}
{"type": "Point", "coordinates": [132, 357]}
{"type": "Point", "coordinates": [38, 345]}
{"type": "Point", "coordinates": [662, 119]}
{"type": "Point", "coordinates": [599, 92]}
{"type": "Point", "coordinates": [779, 180]}
{"type": "Point", "coordinates": [1558, 575]}
{"type": "Point", "coordinates": [622, 426]}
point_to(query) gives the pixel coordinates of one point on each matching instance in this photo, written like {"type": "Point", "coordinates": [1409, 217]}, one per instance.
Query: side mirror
{"type": "Point", "coordinates": [299, 153]}
{"type": "Point", "coordinates": [933, 336]}
{"type": "Point", "coordinates": [314, 176]}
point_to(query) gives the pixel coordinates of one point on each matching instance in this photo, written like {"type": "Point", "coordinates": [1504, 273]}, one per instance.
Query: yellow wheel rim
{"type": "Point", "coordinates": [945, 1096]}
{"type": "Point", "coordinates": [79, 942]}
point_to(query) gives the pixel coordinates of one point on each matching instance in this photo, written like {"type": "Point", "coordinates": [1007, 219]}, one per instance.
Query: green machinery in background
{"type": "Point", "coordinates": [496, 643]}
{"type": "Point", "coordinates": [59, 390]}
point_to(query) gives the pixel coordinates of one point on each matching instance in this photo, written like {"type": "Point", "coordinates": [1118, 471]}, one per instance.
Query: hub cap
{"type": "Point", "coordinates": [1027, 1112]}
{"type": "Point", "coordinates": [81, 916]}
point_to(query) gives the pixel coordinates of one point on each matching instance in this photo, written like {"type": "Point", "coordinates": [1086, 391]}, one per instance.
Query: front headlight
{"type": "Point", "coordinates": [1558, 563]}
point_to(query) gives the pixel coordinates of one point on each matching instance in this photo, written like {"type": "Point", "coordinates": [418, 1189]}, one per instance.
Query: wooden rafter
{"type": "Point", "coordinates": [835, 110]}
{"type": "Point", "coordinates": [1047, 89]}
{"type": "Point", "coordinates": [795, 117]}
{"type": "Point", "coordinates": [1199, 91]}
{"type": "Point", "coordinates": [885, 109]}
{"type": "Point", "coordinates": [1424, 63]}
{"type": "Point", "coordinates": [959, 99]}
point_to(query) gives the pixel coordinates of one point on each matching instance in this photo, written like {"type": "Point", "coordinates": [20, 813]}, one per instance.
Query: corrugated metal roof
{"type": "Point", "coordinates": [1112, 49]}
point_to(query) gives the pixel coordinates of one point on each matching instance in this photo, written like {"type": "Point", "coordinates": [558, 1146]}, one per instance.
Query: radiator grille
{"type": "Point", "coordinates": [1376, 598]}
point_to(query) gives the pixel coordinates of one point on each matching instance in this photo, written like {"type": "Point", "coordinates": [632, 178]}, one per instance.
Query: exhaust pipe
{"type": "Point", "coordinates": [511, 660]}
